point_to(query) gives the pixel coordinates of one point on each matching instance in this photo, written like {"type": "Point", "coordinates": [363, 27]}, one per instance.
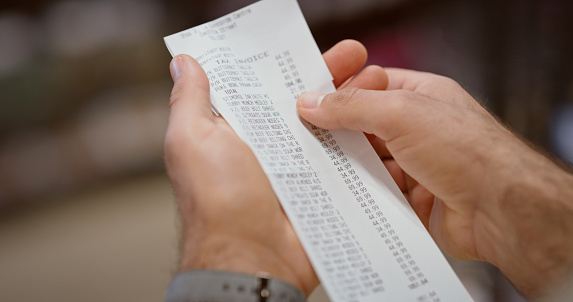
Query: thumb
{"type": "Point", "coordinates": [190, 117]}
{"type": "Point", "coordinates": [190, 94]}
{"type": "Point", "coordinates": [376, 112]}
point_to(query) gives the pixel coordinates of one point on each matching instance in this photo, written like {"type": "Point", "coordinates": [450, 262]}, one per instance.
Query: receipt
{"type": "Point", "coordinates": [360, 234]}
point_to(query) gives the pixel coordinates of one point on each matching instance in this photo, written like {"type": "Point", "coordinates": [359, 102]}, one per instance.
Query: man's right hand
{"type": "Point", "coordinates": [482, 192]}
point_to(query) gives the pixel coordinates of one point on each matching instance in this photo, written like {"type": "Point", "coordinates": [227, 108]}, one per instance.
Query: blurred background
{"type": "Point", "coordinates": [86, 211]}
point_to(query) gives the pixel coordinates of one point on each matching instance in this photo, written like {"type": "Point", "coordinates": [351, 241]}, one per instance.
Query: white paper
{"type": "Point", "coordinates": [362, 237]}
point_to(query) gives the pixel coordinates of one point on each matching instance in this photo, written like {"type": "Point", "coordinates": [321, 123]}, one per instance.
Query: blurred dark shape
{"type": "Point", "coordinates": [21, 41]}
{"type": "Point", "coordinates": [562, 131]}
{"type": "Point", "coordinates": [84, 85]}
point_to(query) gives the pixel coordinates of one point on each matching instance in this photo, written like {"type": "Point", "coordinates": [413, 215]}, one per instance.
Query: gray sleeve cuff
{"type": "Point", "coordinates": [221, 286]}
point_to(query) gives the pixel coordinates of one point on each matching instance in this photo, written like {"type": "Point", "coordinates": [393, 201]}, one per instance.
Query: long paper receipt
{"type": "Point", "coordinates": [363, 239]}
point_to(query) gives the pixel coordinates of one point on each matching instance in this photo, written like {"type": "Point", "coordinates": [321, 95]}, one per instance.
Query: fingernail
{"type": "Point", "coordinates": [176, 67]}
{"type": "Point", "coordinates": [310, 100]}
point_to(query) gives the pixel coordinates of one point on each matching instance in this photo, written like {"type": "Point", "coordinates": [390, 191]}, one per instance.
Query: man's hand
{"type": "Point", "coordinates": [231, 218]}
{"type": "Point", "coordinates": [482, 193]}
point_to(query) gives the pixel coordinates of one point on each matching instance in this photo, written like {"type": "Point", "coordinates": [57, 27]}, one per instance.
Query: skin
{"type": "Point", "coordinates": [482, 193]}
{"type": "Point", "coordinates": [231, 219]}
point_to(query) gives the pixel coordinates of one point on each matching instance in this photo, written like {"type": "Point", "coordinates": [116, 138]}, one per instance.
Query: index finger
{"type": "Point", "coordinates": [408, 79]}
{"type": "Point", "coordinates": [430, 85]}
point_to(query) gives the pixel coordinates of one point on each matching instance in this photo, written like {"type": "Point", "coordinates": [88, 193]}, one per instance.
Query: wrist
{"type": "Point", "coordinates": [239, 256]}
{"type": "Point", "coordinates": [209, 285]}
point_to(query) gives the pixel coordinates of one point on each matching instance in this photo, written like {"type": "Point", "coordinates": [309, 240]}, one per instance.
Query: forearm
{"type": "Point", "coordinates": [527, 230]}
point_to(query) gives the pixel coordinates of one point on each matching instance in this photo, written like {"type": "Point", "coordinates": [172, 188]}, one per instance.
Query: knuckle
{"type": "Point", "coordinates": [373, 70]}
{"type": "Point", "coordinates": [170, 143]}
{"type": "Point", "coordinates": [345, 97]}
{"type": "Point", "coordinates": [449, 81]}
{"type": "Point", "coordinates": [377, 75]}
{"type": "Point", "coordinates": [401, 104]}
{"type": "Point", "coordinates": [176, 94]}
{"type": "Point", "coordinates": [443, 81]}
{"type": "Point", "coordinates": [174, 143]}
{"type": "Point", "coordinates": [402, 96]}
{"type": "Point", "coordinates": [398, 107]}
